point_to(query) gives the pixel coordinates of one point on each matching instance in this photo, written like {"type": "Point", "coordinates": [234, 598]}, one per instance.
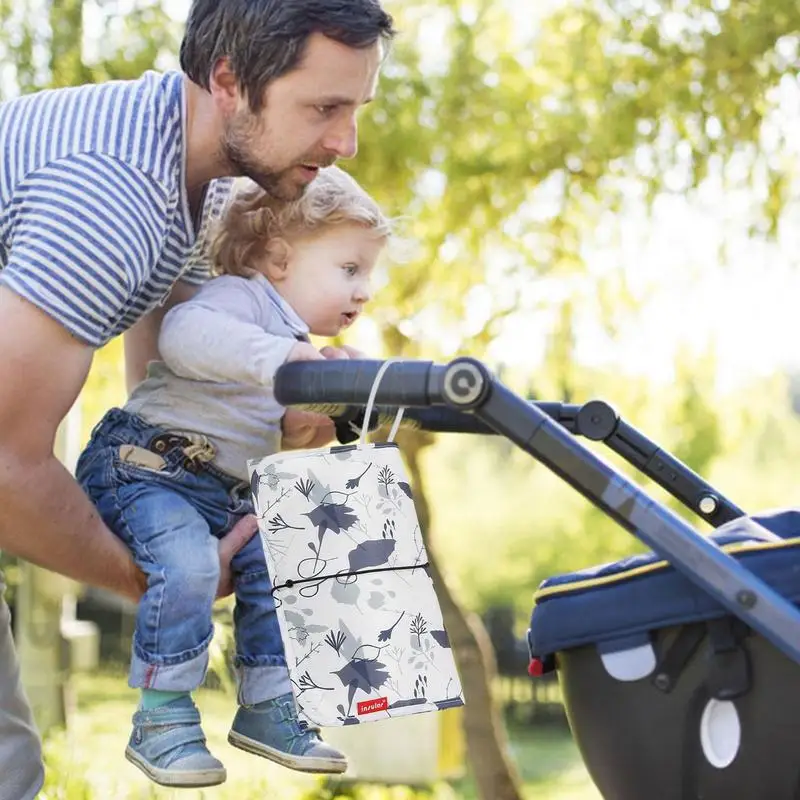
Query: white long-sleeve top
{"type": "Point", "coordinates": [220, 352]}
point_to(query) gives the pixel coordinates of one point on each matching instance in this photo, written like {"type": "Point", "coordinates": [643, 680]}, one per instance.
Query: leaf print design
{"type": "Point", "coordinates": [418, 627]}
{"type": "Point", "coordinates": [332, 517]}
{"type": "Point", "coordinates": [385, 477]}
{"type": "Point", "coordinates": [271, 477]}
{"type": "Point", "coordinates": [366, 674]}
{"type": "Point", "coordinates": [306, 682]}
{"type": "Point", "coordinates": [353, 482]}
{"type": "Point", "coordinates": [299, 634]}
{"type": "Point", "coordinates": [335, 639]}
{"type": "Point", "coordinates": [353, 641]}
{"type": "Point", "coordinates": [305, 487]}
{"type": "Point", "coordinates": [301, 629]}
{"type": "Point", "coordinates": [371, 553]}
{"type": "Point", "coordinates": [278, 524]}
{"type": "Point", "coordinates": [321, 490]}
{"type": "Point", "coordinates": [384, 636]}
{"type": "Point", "coordinates": [441, 638]}
{"type": "Point", "coordinates": [406, 489]}
{"type": "Point", "coordinates": [345, 593]}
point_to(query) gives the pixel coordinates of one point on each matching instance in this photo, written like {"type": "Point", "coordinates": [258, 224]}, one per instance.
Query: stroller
{"type": "Point", "coordinates": [678, 668]}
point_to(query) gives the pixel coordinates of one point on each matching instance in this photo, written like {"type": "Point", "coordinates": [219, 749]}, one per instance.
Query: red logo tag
{"type": "Point", "coordinates": [371, 706]}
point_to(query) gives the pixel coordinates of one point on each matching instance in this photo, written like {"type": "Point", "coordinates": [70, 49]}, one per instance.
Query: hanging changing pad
{"type": "Point", "coordinates": [358, 611]}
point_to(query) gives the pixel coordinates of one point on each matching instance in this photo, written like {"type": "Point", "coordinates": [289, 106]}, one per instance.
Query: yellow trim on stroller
{"type": "Point", "coordinates": [590, 583]}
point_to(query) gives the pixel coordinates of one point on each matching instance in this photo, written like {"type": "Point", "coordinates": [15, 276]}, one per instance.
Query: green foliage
{"type": "Point", "coordinates": [40, 55]}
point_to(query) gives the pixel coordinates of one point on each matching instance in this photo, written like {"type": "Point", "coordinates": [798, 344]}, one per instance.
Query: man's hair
{"type": "Point", "coordinates": [264, 39]}
{"type": "Point", "coordinates": [255, 218]}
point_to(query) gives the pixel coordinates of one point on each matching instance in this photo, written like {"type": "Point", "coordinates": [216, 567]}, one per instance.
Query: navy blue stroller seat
{"type": "Point", "coordinates": [668, 696]}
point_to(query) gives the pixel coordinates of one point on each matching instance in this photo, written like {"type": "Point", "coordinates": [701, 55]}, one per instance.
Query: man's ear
{"type": "Point", "coordinates": [276, 259]}
{"type": "Point", "coordinates": [224, 86]}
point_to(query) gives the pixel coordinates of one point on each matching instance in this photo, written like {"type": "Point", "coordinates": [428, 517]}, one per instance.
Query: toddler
{"type": "Point", "coordinates": [168, 472]}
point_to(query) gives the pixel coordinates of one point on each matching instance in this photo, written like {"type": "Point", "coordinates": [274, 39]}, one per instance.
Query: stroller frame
{"type": "Point", "coordinates": [463, 396]}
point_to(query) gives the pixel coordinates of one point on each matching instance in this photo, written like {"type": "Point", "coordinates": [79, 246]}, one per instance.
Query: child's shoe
{"type": "Point", "coordinates": [272, 730]}
{"type": "Point", "coordinates": [168, 745]}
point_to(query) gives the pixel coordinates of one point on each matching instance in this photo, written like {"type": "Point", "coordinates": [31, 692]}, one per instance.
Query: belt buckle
{"type": "Point", "coordinates": [163, 443]}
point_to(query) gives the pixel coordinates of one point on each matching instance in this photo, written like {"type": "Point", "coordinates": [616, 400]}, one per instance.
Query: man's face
{"type": "Point", "coordinates": [308, 119]}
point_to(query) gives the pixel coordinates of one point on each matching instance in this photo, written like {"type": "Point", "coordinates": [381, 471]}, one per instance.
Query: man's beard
{"type": "Point", "coordinates": [241, 131]}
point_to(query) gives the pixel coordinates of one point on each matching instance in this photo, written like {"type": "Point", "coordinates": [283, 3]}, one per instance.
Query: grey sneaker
{"type": "Point", "coordinates": [168, 745]}
{"type": "Point", "coordinates": [272, 730]}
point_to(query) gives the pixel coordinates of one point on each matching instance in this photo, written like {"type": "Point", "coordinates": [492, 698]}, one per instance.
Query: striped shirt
{"type": "Point", "coordinates": [95, 225]}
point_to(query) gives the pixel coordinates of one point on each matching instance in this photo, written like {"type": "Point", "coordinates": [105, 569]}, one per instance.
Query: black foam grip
{"type": "Point", "coordinates": [349, 382]}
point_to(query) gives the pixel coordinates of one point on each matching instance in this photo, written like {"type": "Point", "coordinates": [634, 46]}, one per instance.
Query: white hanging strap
{"type": "Point", "coordinates": [396, 424]}
{"type": "Point", "coordinates": [371, 403]}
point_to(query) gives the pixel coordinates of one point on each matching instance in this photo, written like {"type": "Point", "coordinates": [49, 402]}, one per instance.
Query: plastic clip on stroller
{"type": "Point", "coordinates": [679, 668]}
{"type": "Point", "coordinates": [358, 613]}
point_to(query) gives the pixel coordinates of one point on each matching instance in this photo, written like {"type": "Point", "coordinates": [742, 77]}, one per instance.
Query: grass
{"type": "Point", "coordinates": [549, 764]}
{"type": "Point", "coordinates": [88, 763]}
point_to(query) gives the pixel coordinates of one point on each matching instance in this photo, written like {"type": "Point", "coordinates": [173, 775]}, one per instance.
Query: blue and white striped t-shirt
{"type": "Point", "coordinates": [95, 226]}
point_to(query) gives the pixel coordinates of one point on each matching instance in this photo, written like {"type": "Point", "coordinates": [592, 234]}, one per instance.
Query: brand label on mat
{"type": "Point", "coordinates": [371, 706]}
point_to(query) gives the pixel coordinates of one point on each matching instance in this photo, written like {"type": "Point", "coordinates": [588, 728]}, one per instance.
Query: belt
{"type": "Point", "coordinates": [198, 454]}
{"type": "Point", "coordinates": [164, 443]}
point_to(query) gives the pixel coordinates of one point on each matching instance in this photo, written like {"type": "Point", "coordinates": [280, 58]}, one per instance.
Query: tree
{"type": "Point", "coordinates": [503, 161]}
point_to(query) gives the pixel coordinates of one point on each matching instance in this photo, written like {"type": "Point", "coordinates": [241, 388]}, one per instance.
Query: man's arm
{"type": "Point", "coordinates": [45, 517]}
{"type": "Point", "coordinates": [141, 341]}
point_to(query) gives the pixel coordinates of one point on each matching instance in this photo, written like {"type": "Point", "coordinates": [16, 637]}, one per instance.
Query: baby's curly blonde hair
{"type": "Point", "coordinates": [255, 217]}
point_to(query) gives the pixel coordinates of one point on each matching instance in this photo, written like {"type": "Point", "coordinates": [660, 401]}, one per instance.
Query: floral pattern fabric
{"type": "Point", "coordinates": [358, 611]}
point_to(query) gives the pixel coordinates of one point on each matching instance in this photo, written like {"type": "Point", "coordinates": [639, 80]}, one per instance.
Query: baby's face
{"type": "Point", "coordinates": [327, 279]}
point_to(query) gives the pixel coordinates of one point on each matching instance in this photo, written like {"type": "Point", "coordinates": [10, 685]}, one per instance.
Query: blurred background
{"type": "Point", "coordinates": [599, 199]}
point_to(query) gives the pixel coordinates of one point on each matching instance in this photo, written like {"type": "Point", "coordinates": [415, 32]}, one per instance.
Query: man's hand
{"type": "Point", "coordinates": [229, 545]}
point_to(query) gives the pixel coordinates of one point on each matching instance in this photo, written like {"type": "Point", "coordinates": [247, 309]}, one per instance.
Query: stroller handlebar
{"type": "Point", "coordinates": [348, 383]}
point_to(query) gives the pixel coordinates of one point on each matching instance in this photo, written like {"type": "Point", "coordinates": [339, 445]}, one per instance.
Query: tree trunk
{"type": "Point", "coordinates": [495, 774]}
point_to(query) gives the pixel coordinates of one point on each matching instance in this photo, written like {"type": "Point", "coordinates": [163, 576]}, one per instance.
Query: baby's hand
{"type": "Point", "coordinates": [305, 429]}
{"type": "Point", "coordinates": [303, 351]}
{"type": "Point", "coordinates": [343, 352]}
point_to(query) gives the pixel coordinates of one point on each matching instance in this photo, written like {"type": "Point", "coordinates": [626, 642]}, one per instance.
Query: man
{"type": "Point", "coordinates": [106, 195]}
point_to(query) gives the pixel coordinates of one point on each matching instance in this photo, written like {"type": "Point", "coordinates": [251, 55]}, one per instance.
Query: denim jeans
{"type": "Point", "coordinates": [171, 517]}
